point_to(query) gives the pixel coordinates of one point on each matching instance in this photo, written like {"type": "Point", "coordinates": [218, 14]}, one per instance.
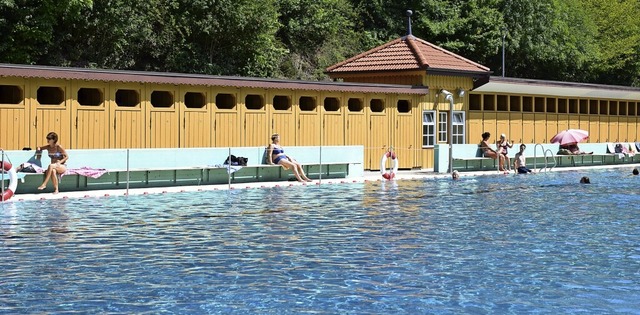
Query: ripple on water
{"type": "Point", "coordinates": [508, 244]}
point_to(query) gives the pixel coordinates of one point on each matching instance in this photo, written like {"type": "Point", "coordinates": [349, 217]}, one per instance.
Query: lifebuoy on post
{"type": "Point", "coordinates": [13, 181]}
{"type": "Point", "coordinates": [394, 165]}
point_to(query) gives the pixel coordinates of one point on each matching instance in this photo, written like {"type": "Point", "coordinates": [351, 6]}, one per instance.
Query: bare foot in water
{"type": "Point", "coordinates": [41, 187]}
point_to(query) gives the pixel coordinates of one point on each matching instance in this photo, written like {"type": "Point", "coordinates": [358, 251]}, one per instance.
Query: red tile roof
{"type": "Point", "coordinates": [408, 53]}
{"type": "Point", "coordinates": [46, 72]}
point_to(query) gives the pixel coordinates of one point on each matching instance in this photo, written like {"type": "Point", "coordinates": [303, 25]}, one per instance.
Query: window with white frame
{"type": "Point", "coordinates": [428, 128]}
{"type": "Point", "coordinates": [442, 126]}
{"type": "Point", "coordinates": [458, 132]}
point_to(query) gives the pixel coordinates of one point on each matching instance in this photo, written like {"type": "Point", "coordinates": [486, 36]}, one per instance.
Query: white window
{"type": "Point", "coordinates": [428, 128]}
{"type": "Point", "coordinates": [442, 127]}
{"type": "Point", "coordinates": [458, 132]}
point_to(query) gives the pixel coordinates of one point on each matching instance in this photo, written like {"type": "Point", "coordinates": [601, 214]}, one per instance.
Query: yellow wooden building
{"type": "Point", "coordinates": [388, 96]}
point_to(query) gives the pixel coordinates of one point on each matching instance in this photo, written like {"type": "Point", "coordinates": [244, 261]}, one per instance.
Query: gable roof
{"type": "Point", "coordinates": [409, 53]}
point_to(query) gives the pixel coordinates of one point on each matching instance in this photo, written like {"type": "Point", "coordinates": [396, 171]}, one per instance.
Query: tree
{"type": "Point", "coordinates": [618, 38]}
{"type": "Point", "coordinates": [29, 29]}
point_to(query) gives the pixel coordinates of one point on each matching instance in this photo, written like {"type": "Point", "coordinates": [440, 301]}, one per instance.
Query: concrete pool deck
{"type": "Point", "coordinates": [368, 176]}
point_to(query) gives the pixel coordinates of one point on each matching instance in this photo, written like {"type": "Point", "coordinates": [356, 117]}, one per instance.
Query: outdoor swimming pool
{"type": "Point", "coordinates": [489, 244]}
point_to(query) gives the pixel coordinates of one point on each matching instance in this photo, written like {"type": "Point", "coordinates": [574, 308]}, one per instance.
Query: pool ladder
{"type": "Point", "coordinates": [546, 158]}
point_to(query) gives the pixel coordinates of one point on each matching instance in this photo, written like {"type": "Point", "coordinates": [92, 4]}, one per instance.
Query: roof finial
{"type": "Point", "coordinates": [409, 13]}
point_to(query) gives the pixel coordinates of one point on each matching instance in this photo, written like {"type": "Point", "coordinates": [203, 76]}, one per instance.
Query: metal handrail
{"type": "Point", "coordinates": [544, 155]}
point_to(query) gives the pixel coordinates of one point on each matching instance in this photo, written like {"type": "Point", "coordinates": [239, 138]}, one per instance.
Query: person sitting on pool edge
{"type": "Point", "coordinates": [58, 159]}
{"type": "Point", "coordinates": [487, 151]}
{"type": "Point", "coordinates": [519, 161]}
{"type": "Point", "coordinates": [503, 146]}
{"type": "Point", "coordinates": [275, 155]}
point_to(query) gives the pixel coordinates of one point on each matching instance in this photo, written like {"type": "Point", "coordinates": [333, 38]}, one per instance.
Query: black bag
{"type": "Point", "coordinates": [26, 168]}
{"type": "Point", "coordinates": [618, 148]}
{"type": "Point", "coordinates": [236, 160]}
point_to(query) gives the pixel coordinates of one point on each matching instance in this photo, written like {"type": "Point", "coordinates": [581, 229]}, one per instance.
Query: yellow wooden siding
{"type": "Point", "coordinates": [89, 129]}
{"type": "Point", "coordinates": [128, 131]}
{"type": "Point", "coordinates": [12, 136]}
{"type": "Point", "coordinates": [614, 134]}
{"type": "Point", "coordinates": [552, 127]}
{"type": "Point", "coordinates": [563, 122]}
{"type": "Point", "coordinates": [476, 128]}
{"type": "Point", "coordinates": [490, 125]}
{"type": "Point", "coordinates": [308, 122]}
{"type": "Point", "coordinates": [255, 128]}
{"type": "Point", "coordinates": [127, 123]}
{"type": "Point", "coordinates": [604, 130]}
{"type": "Point", "coordinates": [90, 122]}
{"type": "Point", "coordinates": [226, 131]}
{"type": "Point", "coordinates": [583, 123]}
{"type": "Point", "coordinates": [196, 129]}
{"type": "Point", "coordinates": [333, 125]}
{"type": "Point", "coordinates": [404, 139]}
{"type": "Point", "coordinates": [15, 122]}
{"type": "Point", "coordinates": [281, 121]}
{"type": "Point", "coordinates": [623, 129]}
{"type": "Point", "coordinates": [163, 129]}
{"type": "Point", "coordinates": [50, 118]}
{"type": "Point", "coordinates": [253, 120]}
{"type": "Point", "coordinates": [162, 122]}
{"type": "Point", "coordinates": [633, 133]}
{"type": "Point", "coordinates": [540, 128]}
{"type": "Point", "coordinates": [308, 129]}
{"type": "Point", "coordinates": [355, 122]}
{"type": "Point", "coordinates": [379, 139]}
{"type": "Point", "coordinates": [502, 126]}
{"type": "Point", "coordinates": [594, 128]}
{"type": "Point", "coordinates": [574, 121]}
{"type": "Point", "coordinates": [195, 123]}
{"type": "Point", "coordinates": [515, 127]}
{"type": "Point", "coordinates": [528, 128]}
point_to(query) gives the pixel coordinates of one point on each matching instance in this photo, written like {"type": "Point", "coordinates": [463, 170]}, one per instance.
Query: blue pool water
{"type": "Point", "coordinates": [485, 245]}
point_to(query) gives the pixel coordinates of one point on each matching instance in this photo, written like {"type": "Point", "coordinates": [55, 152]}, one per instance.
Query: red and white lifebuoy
{"type": "Point", "coordinates": [13, 181]}
{"type": "Point", "coordinates": [394, 165]}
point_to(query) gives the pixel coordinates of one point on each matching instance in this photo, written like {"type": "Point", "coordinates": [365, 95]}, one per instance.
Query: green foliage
{"type": "Point", "coordinates": [572, 40]}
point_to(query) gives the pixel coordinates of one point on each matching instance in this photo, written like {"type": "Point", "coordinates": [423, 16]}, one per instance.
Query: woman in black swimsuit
{"type": "Point", "coordinates": [58, 157]}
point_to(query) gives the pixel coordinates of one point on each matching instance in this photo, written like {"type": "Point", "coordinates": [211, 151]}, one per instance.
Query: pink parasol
{"type": "Point", "coordinates": [570, 136]}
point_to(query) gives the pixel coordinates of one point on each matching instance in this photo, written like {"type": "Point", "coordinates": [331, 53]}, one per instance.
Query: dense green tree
{"type": "Point", "coordinates": [30, 29]}
{"type": "Point", "coordinates": [572, 40]}
{"type": "Point", "coordinates": [317, 34]}
{"type": "Point", "coordinates": [618, 39]}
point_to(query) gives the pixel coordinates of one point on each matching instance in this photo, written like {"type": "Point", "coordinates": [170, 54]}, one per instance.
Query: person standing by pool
{"type": "Point", "coordinates": [519, 161]}
{"type": "Point", "coordinates": [58, 157]}
{"type": "Point", "coordinates": [275, 155]}
{"type": "Point", "coordinates": [487, 151]}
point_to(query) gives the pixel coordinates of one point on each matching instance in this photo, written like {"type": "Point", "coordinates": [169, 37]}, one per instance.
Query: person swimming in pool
{"type": "Point", "coordinates": [58, 159]}
{"type": "Point", "coordinates": [275, 155]}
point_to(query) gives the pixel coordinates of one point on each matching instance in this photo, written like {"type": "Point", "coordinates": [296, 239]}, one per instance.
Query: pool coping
{"type": "Point", "coordinates": [367, 177]}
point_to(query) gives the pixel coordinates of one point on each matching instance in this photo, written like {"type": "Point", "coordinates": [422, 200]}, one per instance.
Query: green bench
{"type": "Point", "coordinates": [189, 166]}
